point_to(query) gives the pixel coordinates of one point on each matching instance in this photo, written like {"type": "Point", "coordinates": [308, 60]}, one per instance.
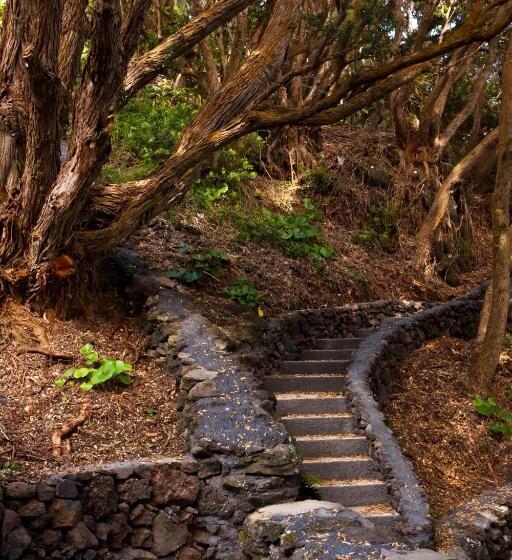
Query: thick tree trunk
{"type": "Point", "coordinates": [489, 352]}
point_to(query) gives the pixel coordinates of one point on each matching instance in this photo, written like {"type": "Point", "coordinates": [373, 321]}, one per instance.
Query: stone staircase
{"type": "Point", "coordinates": [312, 404]}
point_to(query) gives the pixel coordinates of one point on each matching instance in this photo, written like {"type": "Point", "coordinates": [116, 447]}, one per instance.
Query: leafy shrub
{"type": "Point", "coordinates": [381, 228]}
{"type": "Point", "coordinates": [319, 179]}
{"type": "Point", "coordinates": [228, 172]}
{"type": "Point", "coordinates": [243, 292]}
{"type": "Point", "coordinates": [489, 408]}
{"type": "Point", "coordinates": [97, 371]}
{"type": "Point", "coordinates": [210, 263]}
{"type": "Point", "coordinates": [146, 131]}
{"type": "Point", "coordinates": [294, 234]}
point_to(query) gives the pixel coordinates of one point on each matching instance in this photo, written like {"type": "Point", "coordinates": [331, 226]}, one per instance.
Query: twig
{"type": "Point", "coordinates": [45, 352]}
{"type": "Point", "coordinates": [60, 448]}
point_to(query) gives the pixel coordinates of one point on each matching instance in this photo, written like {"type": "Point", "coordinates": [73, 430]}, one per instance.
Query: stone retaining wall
{"type": "Point", "coordinates": [238, 458]}
{"type": "Point", "coordinates": [480, 529]}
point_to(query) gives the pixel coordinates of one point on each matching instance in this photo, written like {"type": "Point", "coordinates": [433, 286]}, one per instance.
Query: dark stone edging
{"type": "Point", "coordinates": [238, 457]}
{"type": "Point", "coordinates": [480, 529]}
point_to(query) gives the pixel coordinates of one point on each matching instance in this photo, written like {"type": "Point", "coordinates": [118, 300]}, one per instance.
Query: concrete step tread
{"type": "Point", "coordinates": [312, 395]}
{"type": "Point", "coordinates": [340, 459]}
{"type": "Point", "coordinates": [328, 355]}
{"type": "Point", "coordinates": [331, 437]}
{"type": "Point", "coordinates": [305, 375]}
{"type": "Point", "coordinates": [350, 482]}
{"type": "Point", "coordinates": [319, 416]}
{"type": "Point", "coordinates": [376, 510]}
{"type": "Point", "coordinates": [337, 343]}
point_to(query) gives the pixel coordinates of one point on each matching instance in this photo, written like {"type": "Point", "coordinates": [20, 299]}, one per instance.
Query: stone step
{"type": "Point", "coordinates": [363, 333]}
{"type": "Point", "coordinates": [359, 492]}
{"type": "Point", "coordinates": [311, 382]}
{"type": "Point", "coordinates": [310, 403]}
{"type": "Point", "coordinates": [377, 512]}
{"type": "Point", "coordinates": [332, 446]}
{"type": "Point", "coordinates": [314, 424]}
{"type": "Point", "coordinates": [340, 468]}
{"type": "Point", "coordinates": [328, 354]}
{"type": "Point", "coordinates": [315, 366]}
{"type": "Point", "coordinates": [338, 343]}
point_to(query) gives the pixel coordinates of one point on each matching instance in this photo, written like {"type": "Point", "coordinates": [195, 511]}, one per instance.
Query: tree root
{"type": "Point", "coordinates": [61, 448]}
{"type": "Point", "coordinates": [45, 352]}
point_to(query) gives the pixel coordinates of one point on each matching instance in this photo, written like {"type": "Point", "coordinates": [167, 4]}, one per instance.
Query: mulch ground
{"type": "Point", "coordinates": [431, 414]}
{"type": "Point", "coordinates": [135, 422]}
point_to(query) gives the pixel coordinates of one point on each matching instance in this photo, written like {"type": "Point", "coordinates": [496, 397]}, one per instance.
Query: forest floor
{"type": "Point", "coordinates": [134, 422]}
{"type": "Point", "coordinates": [452, 450]}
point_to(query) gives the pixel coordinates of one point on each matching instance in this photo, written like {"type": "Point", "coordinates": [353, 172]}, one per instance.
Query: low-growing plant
{"type": "Point", "coordinates": [243, 292]}
{"type": "Point", "coordinates": [150, 412]}
{"type": "Point", "coordinates": [209, 262]}
{"type": "Point", "coordinates": [381, 228]}
{"type": "Point", "coordinates": [502, 417]}
{"type": "Point", "coordinates": [295, 234]}
{"type": "Point", "coordinates": [10, 467]}
{"type": "Point", "coordinates": [97, 371]}
{"type": "Point", "coordinates": [319, 179]}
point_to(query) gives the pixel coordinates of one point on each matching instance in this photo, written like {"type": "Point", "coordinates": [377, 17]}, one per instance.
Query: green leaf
{"type": "Point", "coordinates": [499, 428]}
{"type": "Point", "coordinates": [61, 382]}
{"type": "Point", "coordinates": [101, 375]}
{"type": "Point", "coordinates": [86, 349]}
{"type": "Point", "coordinates": [69, 373]}
{"type": "Point", "coordinates": [91, 358]}
{"type": "Point", "coordinates": [81, 372]}
{"type": "Point", "coordinates": [86, 387]}
{"type": "Point", "coordinates": [125, 379]}
{"type": "Point", "coordinates": [485, 407]}
{"type": "Point", "coordinates": [504, 415]}
{"type": "Point", "coordinates": [121, 367]}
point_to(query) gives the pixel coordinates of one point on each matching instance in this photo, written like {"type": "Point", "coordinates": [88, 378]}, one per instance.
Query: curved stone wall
{"type": "Point", "coordinates": [238, 458]}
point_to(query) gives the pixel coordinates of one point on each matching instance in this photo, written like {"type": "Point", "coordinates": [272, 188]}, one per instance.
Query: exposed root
{"type": "Point", "coordinates": [61, 448]}
{"type": "Point", "coordinates": [45, 351]}
{"type": "Point", "coordinates": [23, 326]}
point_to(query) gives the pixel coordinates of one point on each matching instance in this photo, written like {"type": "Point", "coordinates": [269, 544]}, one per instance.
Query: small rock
{"type": "Point", "coordinates": [15, 543]}
{"type": "Point", "coordinates": [49, 539]}
{"type": "Point", "coordinates": [81, 538]}
{"type": "Point", "coordinates": [135, 490]}
{"type": "Point", "coordinates": [45, 493]}
{"type": "Point", "coordinates": [173, 486]}
{"type": "Point", "coordinates": [141, 538]}
{"type": "Point", "coordinates": [129, 553]}
{"type": "Point", "coordinates": [140, 515]}
{"type": "Point", "coordinates": [67, 489]}
{"type": "Point", "coordinates": [65, 513]}
{"type": "Point", "coordinates": [32, 508]}
{"type": "Point", "coordinates": [101, 498]}
{"type": "Point", "coordinates": [189, 553]}
{"type": "Point", "coordinates": [203, 390]}
{"type": "Point", "coordinates": [20, 490]}
{"type": "Point", "coordinates": [168, 536]}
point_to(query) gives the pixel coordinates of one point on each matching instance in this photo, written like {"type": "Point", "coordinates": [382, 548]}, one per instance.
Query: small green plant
{"type": "Point", "coordinates": [243, 292]}
{"type": "Point", "coordinates": [298, 450]}
{"type": "Point", "coordinates": [150, 412]}
{"type": "Point", "coordinates": [308, 488]}
{"type": "Point", "coordinates": [508, 340]}
{"type": "Point", "coordinates": [210, 263]}
{"type": "Point", "coordinates": [489, 408]}
{"type": "Point", "coordinates": [381, 228]}
{"type": "Point", "coordinates": [319, 179]}
{"type": "Point", "coordinates": [98, 371]}
{"type": "Point", "coordinates": [10, 467]}
{"type": "Point", "coordinates": [294, 233]}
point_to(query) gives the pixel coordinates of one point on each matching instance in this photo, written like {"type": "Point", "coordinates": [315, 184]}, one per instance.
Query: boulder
{"type": "Point", "coordinates": [81, 538]}
{"type": "Point", "coordinates": [171, 486]}
{"type": "Point", "coordinates": [168, 536]}
{"type": "Point", "coordinates": [65, 513]}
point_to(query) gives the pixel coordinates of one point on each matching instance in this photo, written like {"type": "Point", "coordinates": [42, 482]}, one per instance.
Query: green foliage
{"type": "Point", "coordinates": [146, 131]}
{"type": "Point", "coordinates": [296, 236]}
{"type": "Point", "coordinates": [210, 262]}
{"type": "Point", "coordinates": [98, 371]}
{"type": "Point", "coordinates": [381, 228]}
{"type": "Point", "coordinates": [243, 292]}
{"type": "Point", "coordinates": [298, 450]}
{"type": "Point", "coordinates": [508, 340]}
{"type": "Point", "coordinates": [319, 180]}
{"type": "Point", "coordinates": [10, 467]}
{"type": "Point", "coordinates": [489, 408]}
{"type": "Point", "coordinates": [150, 412]}
{"type": "Point", "coordinates": [229, 171]}
{"type": "Point", "coordinates": [308, 490]}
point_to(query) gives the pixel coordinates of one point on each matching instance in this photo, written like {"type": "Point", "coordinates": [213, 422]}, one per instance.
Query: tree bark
{"type": "Point", "coordinates": [489, 352]}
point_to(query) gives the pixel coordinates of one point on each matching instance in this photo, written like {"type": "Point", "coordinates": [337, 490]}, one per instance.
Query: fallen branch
{"type": "Point", "coordinates": [45, 352]}
{"type": "Point", "coordinates": [60, 448]}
